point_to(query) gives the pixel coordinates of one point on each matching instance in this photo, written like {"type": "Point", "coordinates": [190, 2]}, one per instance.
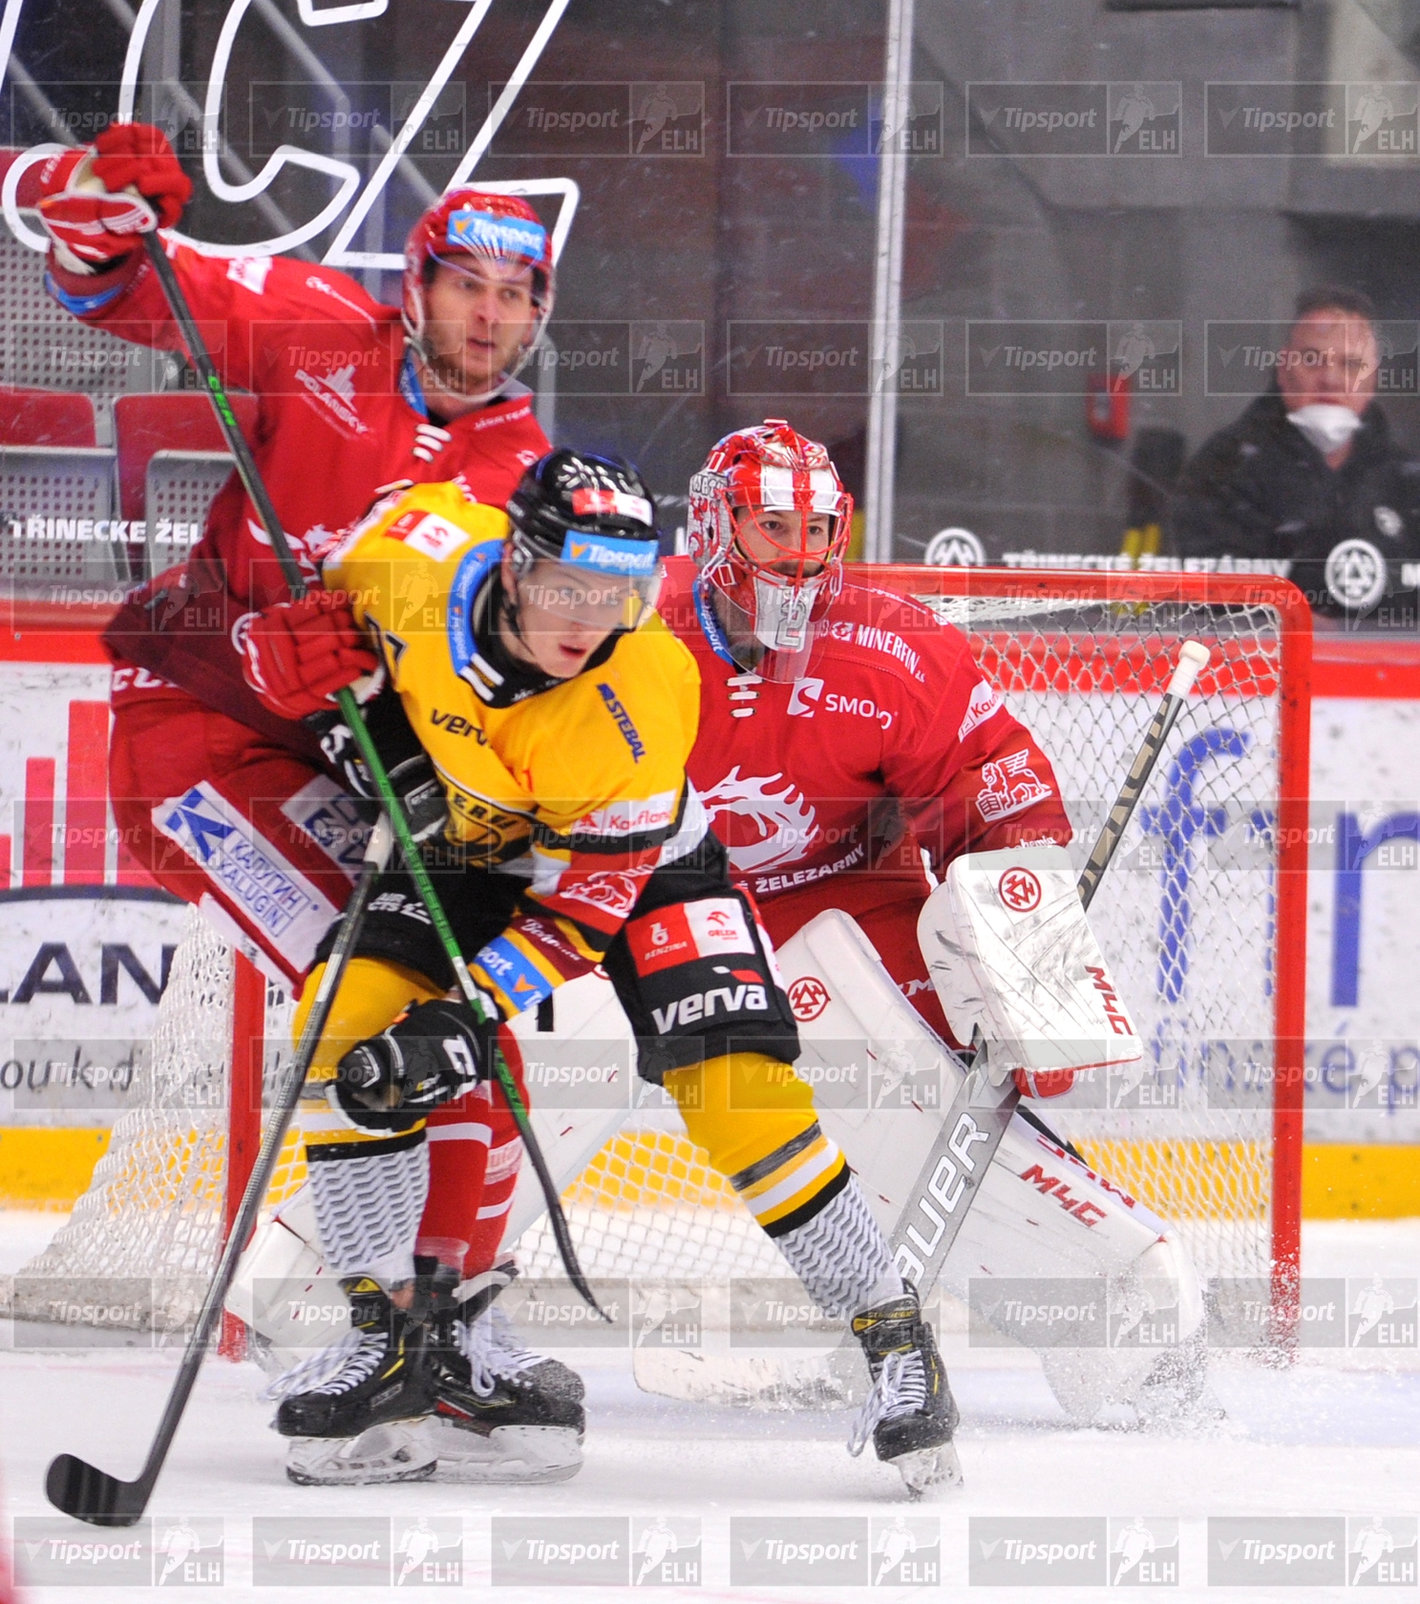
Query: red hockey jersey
{"type": "Point", "coordinates": [339, 415]}
{"type": "Point", "coordinates": [892, 727]}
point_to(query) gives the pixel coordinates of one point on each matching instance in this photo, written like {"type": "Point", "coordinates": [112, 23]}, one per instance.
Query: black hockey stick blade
{"type": "Point", "coordinates": [87, 1493]}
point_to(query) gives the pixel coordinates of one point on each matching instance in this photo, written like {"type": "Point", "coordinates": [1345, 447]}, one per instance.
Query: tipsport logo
{"type": "Point", "coordinates": [1031, 1551]}
{"type": "Point", "coordinates": [1126, 119]}
{"type": "Point", "coordinates": [803, 1551]}
{"type": "Point", "coordinates": [473, 230]}
{"type": "Point", "coordinates": [1277, 1550]}
{"type": "Point", "coordinates": [1357, 121]}
{"type": "Point", "coordinates": [570, 1550]}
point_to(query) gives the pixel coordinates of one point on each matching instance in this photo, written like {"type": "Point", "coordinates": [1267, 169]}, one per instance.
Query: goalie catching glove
{"type": "Point", "coordinates": [1009, 949]}
{"type": "Point", "coordinates": [431, 1055]}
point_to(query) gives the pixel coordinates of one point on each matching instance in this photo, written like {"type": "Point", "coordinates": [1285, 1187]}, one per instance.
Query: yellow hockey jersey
{"type": "Point", "coordinates": [580, 789]}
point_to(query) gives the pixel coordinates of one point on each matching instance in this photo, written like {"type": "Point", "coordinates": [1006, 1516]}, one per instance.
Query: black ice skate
{"type": "Point", "coordinates": [910, 1413]}
{"type": "Point", "coordinates": [377, 1374]}
{"type": "Point", "coordinates": [501, 1413]}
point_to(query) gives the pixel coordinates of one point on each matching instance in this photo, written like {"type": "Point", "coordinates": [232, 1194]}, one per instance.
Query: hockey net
{"type": "Point", "coordinates": [1200, 918]}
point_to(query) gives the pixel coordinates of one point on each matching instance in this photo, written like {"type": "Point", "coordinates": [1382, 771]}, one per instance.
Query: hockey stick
{"type": "Point", "coordinates": [350, 712]}
{"type": "Point", "coordinates": [973, 1126]}
{"type": "Point", "coordinates": [91, 1494]}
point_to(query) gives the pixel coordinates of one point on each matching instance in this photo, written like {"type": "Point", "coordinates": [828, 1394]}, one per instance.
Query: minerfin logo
{"type": "Point", "coordinates": [474, 230]}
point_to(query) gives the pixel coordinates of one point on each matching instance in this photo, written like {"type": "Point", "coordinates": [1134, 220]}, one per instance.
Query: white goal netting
{"type": "Point", "coordinates": [1187, 917]}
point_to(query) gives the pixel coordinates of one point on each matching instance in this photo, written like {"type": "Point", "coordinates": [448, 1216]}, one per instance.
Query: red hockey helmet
{"type": "Point", "coordinates": [465, 229]}
{"type": "Point", "coordinates": [769, 521]}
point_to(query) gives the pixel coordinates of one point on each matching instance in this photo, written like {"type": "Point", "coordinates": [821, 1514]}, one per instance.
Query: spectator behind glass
{"type": "Point", "coordinates": [1309, 478]}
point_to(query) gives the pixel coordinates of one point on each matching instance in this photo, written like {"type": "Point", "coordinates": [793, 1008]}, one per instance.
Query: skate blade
{"type": "Point", "coordinates": [929, 1470]}
{"type": "Point", "coordinates": [377, 1456]}
{"type": "Point", "coordinates": [525, 1455]}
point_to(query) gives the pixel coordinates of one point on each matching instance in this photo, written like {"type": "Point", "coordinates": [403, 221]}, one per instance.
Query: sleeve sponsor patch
{"type": "Point", "coordinates": [1009, 786]}
{"type": "Point", "coordinates": [630, 817]}
{"type": "Point", "coordinates": [706, 928]}
{"type": "Point", "coordinates": [433, 537]}
{"type": "Point", "coordinates": [985, 701]}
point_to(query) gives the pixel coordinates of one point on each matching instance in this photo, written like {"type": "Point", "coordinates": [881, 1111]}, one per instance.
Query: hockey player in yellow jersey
{"type": "Point", "coordinates": [536, 717]}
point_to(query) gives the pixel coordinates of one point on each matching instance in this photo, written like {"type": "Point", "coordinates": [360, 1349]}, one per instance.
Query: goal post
{"type": "Point", "coordinates": [1202, 920]}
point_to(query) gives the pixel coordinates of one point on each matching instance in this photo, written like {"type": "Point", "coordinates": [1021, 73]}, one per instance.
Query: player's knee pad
{"type": "Point", "coordinates": [698, 981]}
{"type": "Point", "coordinates": [755, 1119]}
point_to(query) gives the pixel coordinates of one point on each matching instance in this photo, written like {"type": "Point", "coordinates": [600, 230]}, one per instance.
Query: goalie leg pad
{"type": "Point", "coordinates": [368, 1196]}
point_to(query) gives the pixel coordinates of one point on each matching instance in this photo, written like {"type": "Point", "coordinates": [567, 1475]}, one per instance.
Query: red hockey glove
{"type": "Point", "coordinates": [1043, 1082]}
{"type": "Point", "coordinates": [96, 204]}
{"type": "Point", "coordinates": [297, 655]}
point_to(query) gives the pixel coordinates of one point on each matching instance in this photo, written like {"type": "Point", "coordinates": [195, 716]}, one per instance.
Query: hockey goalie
{"type": "Point", "coordinates": [843, 734]}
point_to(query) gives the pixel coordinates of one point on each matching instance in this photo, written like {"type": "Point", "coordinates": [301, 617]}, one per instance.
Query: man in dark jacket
{"type": "Point", "coordinates": [1308, 481]}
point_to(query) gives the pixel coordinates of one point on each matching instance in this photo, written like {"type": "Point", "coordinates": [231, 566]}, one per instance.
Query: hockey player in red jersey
{"type": "Point", "coordinates": [843, 729]}
{"type": "Point", "coordinates": [222, 801]}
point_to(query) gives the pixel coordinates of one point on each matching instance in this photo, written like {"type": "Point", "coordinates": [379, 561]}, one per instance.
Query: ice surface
{"type": "Point", "coordinates": [1336, 1434]}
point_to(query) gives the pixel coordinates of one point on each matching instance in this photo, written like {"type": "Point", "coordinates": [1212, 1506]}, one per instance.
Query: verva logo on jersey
{"type": "Point", "coordinates": [1009, 786]}
{"type": "Point", "coordinates": [760, 828]}
{"type": "Point", "coordinates": [1019, 890]}
{"type": "Point", "coordinates": [808, 997]}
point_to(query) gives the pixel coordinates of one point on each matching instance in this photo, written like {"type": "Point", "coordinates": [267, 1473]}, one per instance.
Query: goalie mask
{"type": "Point", "coordinates": [486, 237]}
{"type": "Point", "coordinates": [769, 523]}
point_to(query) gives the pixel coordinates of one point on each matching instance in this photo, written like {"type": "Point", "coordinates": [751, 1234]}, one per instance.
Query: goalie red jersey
{"type": "Point", "coordinates": [825, 788]}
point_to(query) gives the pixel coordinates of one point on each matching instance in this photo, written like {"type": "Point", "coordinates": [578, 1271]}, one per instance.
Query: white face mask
{"type": "Point", "coordinates": [1328, 427]}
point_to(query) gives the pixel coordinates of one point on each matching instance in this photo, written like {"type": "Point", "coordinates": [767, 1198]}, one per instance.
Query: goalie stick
{"type": "Point", "coordinates": [951, 1175]}
{"type": "Point", "coordinates": [83, 1490]}
{"type": "Point", "coordinates": [949, 1178]}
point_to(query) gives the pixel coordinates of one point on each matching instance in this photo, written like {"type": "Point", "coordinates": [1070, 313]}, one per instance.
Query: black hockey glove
{"type": "Point", "coordinates": [435, 1053]}
{"type": "Point", "coordinates": [413, 776]}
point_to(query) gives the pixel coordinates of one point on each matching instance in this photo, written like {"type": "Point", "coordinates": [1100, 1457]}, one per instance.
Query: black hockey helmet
{"type": "Point", "coordinates": [593, 515]}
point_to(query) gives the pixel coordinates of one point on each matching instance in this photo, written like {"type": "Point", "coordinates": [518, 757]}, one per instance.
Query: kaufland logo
{"type": "Point", "coordinates": [474, 230]}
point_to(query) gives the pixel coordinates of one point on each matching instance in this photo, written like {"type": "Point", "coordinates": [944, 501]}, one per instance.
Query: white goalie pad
{"type": "Point", "coordinates": [1042, 1217]}
{"type": "Point", "coordinates": [1009, 949]}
